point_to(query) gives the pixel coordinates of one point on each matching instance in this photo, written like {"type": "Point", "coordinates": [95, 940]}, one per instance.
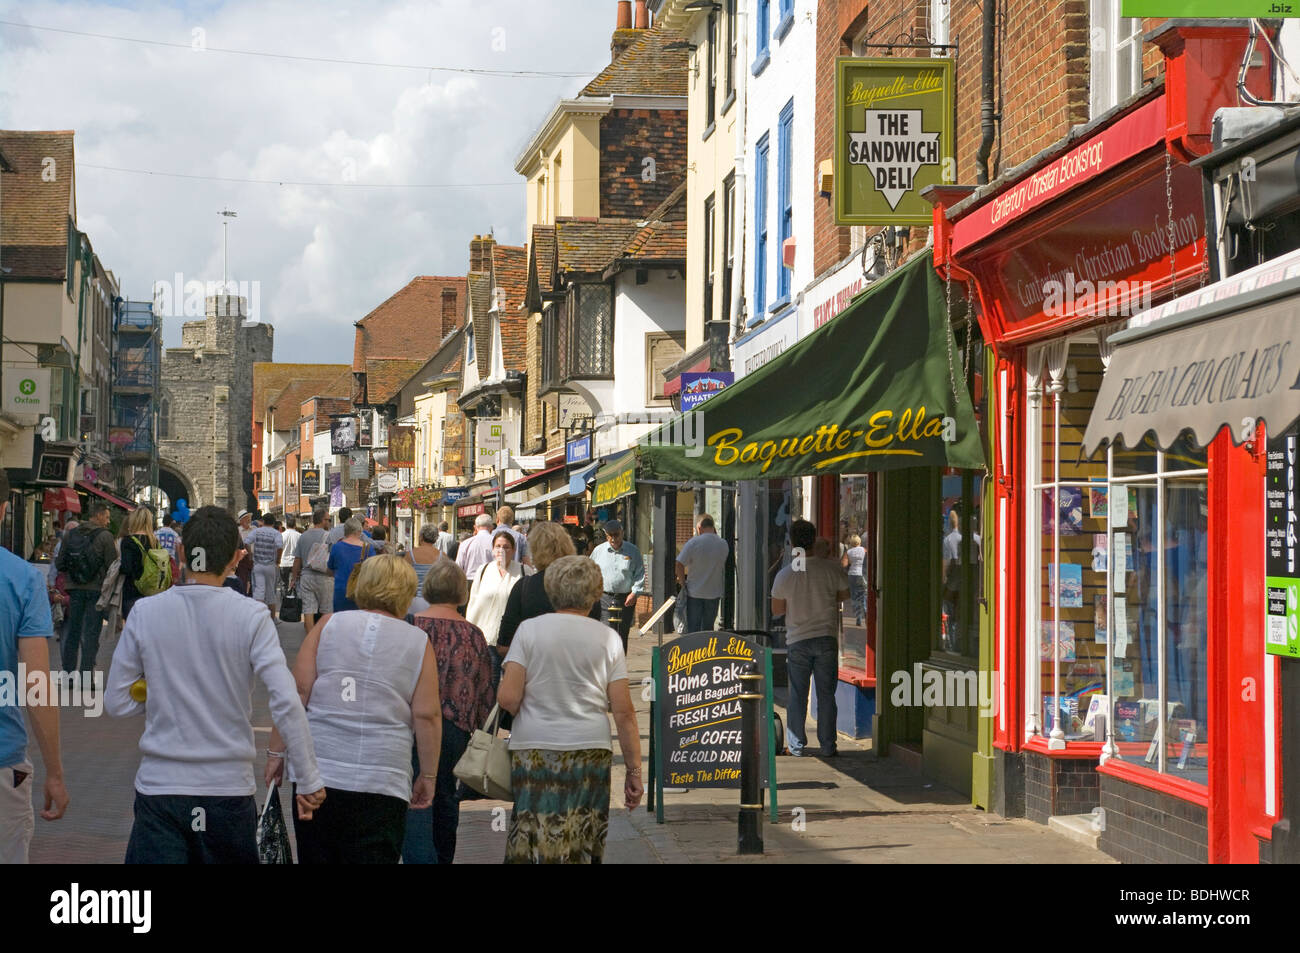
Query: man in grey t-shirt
{"type": "Point", "coordinates": [701, 568]}
{"type": "Point", "coordinates": [315, 588]}
{"type": "Point", "coordinates": [808, 593]}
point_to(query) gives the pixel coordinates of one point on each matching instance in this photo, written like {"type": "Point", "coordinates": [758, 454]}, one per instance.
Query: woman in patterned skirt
{"type": "Point", "coordinates": [563, 673]}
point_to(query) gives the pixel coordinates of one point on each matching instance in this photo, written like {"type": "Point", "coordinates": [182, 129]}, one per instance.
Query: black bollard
{"type": "Point", "coordinates": [751, 772]}
{"type": "Point", "coordinates": [616, 615]}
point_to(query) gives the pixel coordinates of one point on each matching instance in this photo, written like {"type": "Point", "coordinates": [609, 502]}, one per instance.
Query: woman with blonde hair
{"type": "Point", "coordinates": [134, 542]}
{"type": "Point", "coordinates": [367, 679]}
{"type": "Point", "coordinates": [562, 675]}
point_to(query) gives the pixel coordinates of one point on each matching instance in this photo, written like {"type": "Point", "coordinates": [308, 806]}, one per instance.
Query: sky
{"type": "Point", "coordinates": [313, 258]}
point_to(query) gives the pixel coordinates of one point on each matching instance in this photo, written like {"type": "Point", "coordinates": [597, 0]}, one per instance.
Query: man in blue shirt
{"type": "Point", "coordinates": [623, 572]}
{"type": "Point", "coordinates": [24, 627]}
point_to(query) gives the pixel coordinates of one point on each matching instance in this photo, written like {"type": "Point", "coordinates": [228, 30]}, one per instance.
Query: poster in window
{"type": "Point", "coordinates": [1282, 548]}
{"type": "Point", "coordinates": [1071, 509]}
{"type": "Point", "coordinates": [1066, 640]}
{"type": "Point", "coordinates": [1071, 585]}
{"type": "Point", "coordinates": [1097, 499]}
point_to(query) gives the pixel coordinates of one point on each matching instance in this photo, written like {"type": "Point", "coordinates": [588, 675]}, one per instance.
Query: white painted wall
{"type": "Point", "coordinates": [788, 75]}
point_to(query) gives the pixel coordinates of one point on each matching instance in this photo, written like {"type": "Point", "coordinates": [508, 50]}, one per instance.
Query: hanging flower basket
{"type": "Point", "coordinates": [420, 498]}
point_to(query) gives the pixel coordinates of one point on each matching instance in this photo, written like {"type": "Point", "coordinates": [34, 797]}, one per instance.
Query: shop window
{"type": "Point", "coordinates": [1121, 537]}
{"type": "Point", "coordinates": [858, 555]}
{"type": "Point", "coordinates": [1115, 69]}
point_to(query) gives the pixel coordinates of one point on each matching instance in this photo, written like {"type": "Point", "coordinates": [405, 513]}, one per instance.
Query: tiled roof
{"type": "Point", "coordinates": [658, 241]}
{"type": "Point", "coordinates": [34, 213]}
{"type": "Point", "coordinates": [480, 299]}
{"type": "Point", "coordinates": [408, 325]}
{"type": "Point", "coordinates": [270, 379]}
{"type": "Point", "coordinates": [510, 274]}
{"type": "Point", "coordinates": [288, 402]}
{"type": "Point", "coordinates": [645, 68]}
{"type": "Point", "coordinates": [386, 376]}
{"type": "Point", "coordinates": [586, 246]}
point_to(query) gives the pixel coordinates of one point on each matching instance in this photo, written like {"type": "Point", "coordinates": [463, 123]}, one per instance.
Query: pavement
{"type": "Point", "coordinates": [855, 808]}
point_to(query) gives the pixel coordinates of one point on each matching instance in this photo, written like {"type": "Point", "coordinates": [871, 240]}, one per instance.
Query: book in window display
{"type": "Point", "coordinates": [1071, 585]}
{"type": "Point", "coordinates": [1066, 636]}
{"type": "Point", "coordinates": [1071, 510]}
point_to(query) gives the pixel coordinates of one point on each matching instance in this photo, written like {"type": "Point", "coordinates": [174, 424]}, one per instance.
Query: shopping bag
{"type": "Point", "coordinates": [291, 607]}
{"type": "Point", "coordinates": [273, 832]}
{"type": "Point", "coordinates": [485, 765]}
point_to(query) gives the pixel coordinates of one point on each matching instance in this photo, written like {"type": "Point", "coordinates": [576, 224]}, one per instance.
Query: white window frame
{"type": "Point", "coordinates": [1108, 34]}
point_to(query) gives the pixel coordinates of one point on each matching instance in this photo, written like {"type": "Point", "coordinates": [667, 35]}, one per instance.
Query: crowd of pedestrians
{"type": "Point", "coordinates": [404, 657]}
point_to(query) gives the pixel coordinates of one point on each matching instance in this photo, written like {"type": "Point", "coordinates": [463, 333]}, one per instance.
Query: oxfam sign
{"type": "Point", "coordinates": [26, 390]}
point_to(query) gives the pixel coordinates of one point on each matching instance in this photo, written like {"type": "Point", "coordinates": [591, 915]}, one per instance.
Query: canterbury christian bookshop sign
{"type": "Point", "coordinates": [893, 138]}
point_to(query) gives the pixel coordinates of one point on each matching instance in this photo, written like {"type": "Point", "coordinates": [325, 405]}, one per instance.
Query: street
{"type": "Point", "coordinates": [854, 809]}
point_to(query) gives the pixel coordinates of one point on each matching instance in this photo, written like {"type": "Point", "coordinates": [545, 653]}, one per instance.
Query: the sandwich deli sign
{"type": "Point", "coordinates": [893, 137]}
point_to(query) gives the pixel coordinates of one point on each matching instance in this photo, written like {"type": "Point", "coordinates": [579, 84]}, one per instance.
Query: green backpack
{"type": "Point", "coordinates": [156, 574]}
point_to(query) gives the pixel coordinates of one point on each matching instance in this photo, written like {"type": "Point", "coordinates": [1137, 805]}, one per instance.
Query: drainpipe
{"type": "Point", "coordinates": [748, 592]}
{"type": "Point", "coordinates": [987, 116]}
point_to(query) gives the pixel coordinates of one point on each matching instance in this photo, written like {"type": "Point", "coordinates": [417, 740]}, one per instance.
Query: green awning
{"type": "Point", "coordinates": [870, 390]}
{"type": "Point", "coordinates": [615, 480]}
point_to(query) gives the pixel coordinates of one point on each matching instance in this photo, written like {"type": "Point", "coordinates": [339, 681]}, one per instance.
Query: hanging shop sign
{"type": "Point", "coordinates": [365, 434]}
{"type": "Point", "coordinates": [469, 509]}
{"type": "Point", "coordinates": [1282, 547]}
{"type": "Point", "coordinates": [358, 464]}
{"type": "Point", "coordinates": [697, 387]}
{"type": "Point", "coordinates": [27, 390]}
{"type": "Point", "coordinates": [876, 391]}
{"type": "Point", "coordinates": [388, 482]}
{"type": "Point", "coordinates": [577, 452]}
{"type": "Point", "coordinates": [454, 493]}
{"type": "Point", "coordinates": [401, 446]}
{"type": "Point", "coordinates": [343, 434]}
{"type": "Point", "coordinates": [309, 481]}
{"type": "Point", "coordinates": [336, 489]}
{"type": "Point", "coordinates": [893, 138]}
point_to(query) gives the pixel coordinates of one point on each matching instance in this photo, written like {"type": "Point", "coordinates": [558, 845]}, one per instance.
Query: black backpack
{"type": "Point", "coordinates": [79, 558]}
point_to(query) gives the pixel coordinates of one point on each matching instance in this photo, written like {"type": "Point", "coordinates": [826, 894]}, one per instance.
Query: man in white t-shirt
{"type": "Point", "coordinates": [291, 537]}
{"type": "Point", "coordinates": [808, 593]}
{"type": "Point", "coordinates": [701, 569]}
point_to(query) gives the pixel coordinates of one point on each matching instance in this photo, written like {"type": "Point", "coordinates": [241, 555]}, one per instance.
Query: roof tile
{"type": "Point", "coordinates": [34, 213]}
{"type": "Point", "coordinates": [408, 325]}
{"type": "Point", "coordinates": [645, 68]}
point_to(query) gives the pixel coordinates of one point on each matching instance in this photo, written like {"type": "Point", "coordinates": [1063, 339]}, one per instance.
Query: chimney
{"type": "Point", "coordinates": [450, 311]}
{"type": "Point", "coordinates": [624, 36]}
{"type": "Point", "coordinates": [642, 16]}
{"type": "Point", "coordinates": [480, 253]}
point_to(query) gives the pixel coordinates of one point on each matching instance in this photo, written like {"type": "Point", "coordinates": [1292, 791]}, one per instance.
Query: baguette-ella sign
{"type": "Point", "coordinates": [893, 138]}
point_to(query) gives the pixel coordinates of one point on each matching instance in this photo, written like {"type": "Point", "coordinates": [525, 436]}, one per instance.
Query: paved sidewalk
{"type": "Point", "coordinates": [852, 809]}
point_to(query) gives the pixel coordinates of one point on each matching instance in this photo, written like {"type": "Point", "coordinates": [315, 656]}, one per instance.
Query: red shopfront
{"type": "Point", "coordinates": [1111, 576]}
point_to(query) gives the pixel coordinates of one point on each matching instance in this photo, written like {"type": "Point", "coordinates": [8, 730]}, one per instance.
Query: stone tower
{"type": "Point", "coordinates": [207, 403]}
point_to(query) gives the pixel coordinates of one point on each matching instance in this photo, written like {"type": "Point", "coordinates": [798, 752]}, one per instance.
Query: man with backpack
{"type": "Point", "coordinates": [311, 574]}
{"type": "Point", "coordinates": [87, 553]}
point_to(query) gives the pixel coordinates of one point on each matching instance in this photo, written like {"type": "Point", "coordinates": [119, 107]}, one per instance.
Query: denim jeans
{"type": "Point", "coordinates": [84, 623]}
{"type": "Point", "coordinates": [701, 614]}
{"type": "Point", "coordinates": [164, 830]}
{"type": "Point", "coordinates": [807, 660]}
{"type": "Point", "coordinates": [858, 598]}
{"type": "Point", "coordinates": [431, 832]}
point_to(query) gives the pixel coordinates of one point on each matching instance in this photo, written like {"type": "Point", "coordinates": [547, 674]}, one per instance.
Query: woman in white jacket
{"type": "Point", "coordinates": [490, 588]}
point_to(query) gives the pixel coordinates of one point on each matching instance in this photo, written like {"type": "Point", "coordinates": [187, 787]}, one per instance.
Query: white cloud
{"type": "Point", "coordinates": [324, 257]}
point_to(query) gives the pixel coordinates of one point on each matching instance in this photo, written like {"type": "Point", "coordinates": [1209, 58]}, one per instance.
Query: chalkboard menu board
{"type": "Point", "coordinates": [1282, 547]}
{"type": "Point", "coordinates": [699, 738]}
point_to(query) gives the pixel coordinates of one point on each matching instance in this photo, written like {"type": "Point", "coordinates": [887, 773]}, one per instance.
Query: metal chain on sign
{"type": "Point", "coordinates": [1169, 210]}
{"type": "Point", "coordinates": [947, 322]}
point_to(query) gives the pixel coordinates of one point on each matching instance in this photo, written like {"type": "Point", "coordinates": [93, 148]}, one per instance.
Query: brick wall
{"type": "Point", "coordinates": [534, 440]}
{"type": "Point", "coordinates": [1145, 826]}
{"type": "Point", "coordinates": [451, 312]}
{"type": "Point", "coordinates": [627, 138]}
{"type": "Point", "coordinates": [1044, 57]}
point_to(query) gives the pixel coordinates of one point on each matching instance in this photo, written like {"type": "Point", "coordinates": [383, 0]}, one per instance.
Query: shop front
{"type": "Point", "coordinates": [1106, 654]}
{"type": "Point", "coordinates": [852, 426]}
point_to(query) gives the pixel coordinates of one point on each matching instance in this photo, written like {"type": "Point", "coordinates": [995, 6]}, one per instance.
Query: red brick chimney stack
{"type": "Point", "coordinates": [480, 253]}
{"type": "Point", "coordinates": [642, 15]}
{"type": "Point", "coordinates": [450, 311]}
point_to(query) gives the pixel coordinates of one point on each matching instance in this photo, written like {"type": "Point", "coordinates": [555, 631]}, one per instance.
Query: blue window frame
{"type": "Point", "coordinates": [787, 19]}
{"type": "Point", "coordinates": [760, 229]}
{"type": "Point", "coordinates": [785, 192]}
{"type": "Point", "coordinates": [763, 26]}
